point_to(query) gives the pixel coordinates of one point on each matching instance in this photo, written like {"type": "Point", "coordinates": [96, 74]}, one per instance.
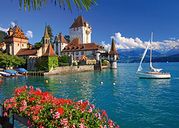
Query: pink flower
{"type": "Point", "coordinates": [82, 126]}
{"type": "Point", "coordinates": [90, 110]}
{"type": "Point", "coordinates": [5, 114]}
{"type": "Point", "coordinates": [92, 106]}
{"type": "Point", "coordinates": [110, 123]}
{"type": "Point", "coordinates": [64, 122]}
{"type": "Point", "coordinates": [56, 115]}
{"type": "Point", "coordinates": [35, 118]}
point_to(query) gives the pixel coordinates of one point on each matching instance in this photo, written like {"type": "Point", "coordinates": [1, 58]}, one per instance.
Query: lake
{"type": "Point", "coordinates": [128, 100]}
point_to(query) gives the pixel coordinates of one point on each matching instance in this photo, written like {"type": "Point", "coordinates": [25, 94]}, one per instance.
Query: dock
{"type": "Point", "coordinates": [36, 73]}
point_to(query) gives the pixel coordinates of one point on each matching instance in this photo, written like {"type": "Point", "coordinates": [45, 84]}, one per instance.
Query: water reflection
{"type": "Point", "coordinates": [62, 86]}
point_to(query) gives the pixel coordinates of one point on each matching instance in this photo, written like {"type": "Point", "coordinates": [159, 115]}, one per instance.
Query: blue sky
{"type": "Point", "coordinates": [130, 18]}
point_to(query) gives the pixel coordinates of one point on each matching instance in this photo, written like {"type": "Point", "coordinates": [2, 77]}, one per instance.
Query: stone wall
{"type": "Point", "coordinates": [70, 69]}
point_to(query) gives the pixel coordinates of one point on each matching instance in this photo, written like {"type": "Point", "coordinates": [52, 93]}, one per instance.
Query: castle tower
{"type": "Point", "coordinates": [59, 43]}
{"type": "Point", "coordinates": [80, 29]}
{"type": "Point", "coordinates": [46, 40]}
{"type": "Point", "coordinates": [113, 56]}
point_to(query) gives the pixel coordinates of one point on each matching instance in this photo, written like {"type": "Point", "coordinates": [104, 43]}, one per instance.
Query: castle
{"type": "Point", "coordinates": [78, 47]}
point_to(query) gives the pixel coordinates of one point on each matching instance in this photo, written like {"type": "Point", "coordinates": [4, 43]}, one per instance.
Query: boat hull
{"type": "Point", "coordinates": [146, 75]}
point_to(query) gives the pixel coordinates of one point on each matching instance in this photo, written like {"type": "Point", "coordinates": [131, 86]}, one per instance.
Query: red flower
{"type": "Point", "coordinates": [60, 110]}
{"type": "Point", "coordinates": [104, 114]}
{"type": "Point", "coordinates": [31, 99]}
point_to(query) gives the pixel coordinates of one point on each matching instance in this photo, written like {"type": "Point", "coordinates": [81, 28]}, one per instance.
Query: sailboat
{"type": "Point", "coordinates": [153, 73]}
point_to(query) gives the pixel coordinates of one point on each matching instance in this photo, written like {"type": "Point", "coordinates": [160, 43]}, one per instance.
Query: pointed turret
{"type": "Point", "coordinates": [49, 51]}
{"type": "Point", "coordinates": [113, 55]}
{"type": "Point", "coordinates": [46, 40]}
{"type": "Point", "coordinates": [113, 50]}
{"type": "Point", "coordinates": [46, 36]}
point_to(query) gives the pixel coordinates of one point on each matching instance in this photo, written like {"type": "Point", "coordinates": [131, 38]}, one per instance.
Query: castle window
{"type": "Point", "coordinates": [82, 52]}
{"type": "Point", "coordinates": [77, 53]}
{"type": "Point", "coordinates": [22, 45]}
{"type": "Point", "coordinates": [18, 44]}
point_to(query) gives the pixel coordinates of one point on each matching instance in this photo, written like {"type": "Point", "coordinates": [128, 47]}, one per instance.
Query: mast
{"type": "Point", "coordinates": [151, 40]}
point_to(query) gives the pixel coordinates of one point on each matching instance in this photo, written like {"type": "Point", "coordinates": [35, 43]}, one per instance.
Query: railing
{"type": "Point", "coordinates": [8, 122]}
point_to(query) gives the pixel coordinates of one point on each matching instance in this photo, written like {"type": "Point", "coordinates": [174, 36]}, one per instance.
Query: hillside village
{"type": "Point", "coordinates": [79, 49]}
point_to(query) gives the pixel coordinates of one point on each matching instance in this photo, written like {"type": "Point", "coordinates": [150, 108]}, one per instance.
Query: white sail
{"type": "Point", "coordinates": [151, 66]}
{"type": "Point", "coordinates": [143, 56]}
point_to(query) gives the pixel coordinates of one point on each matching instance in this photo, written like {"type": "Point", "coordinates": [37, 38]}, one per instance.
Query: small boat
{"type": "Point", "coordinates": [153, 73]}
{"type": "Point", "coordinates": [4, 74]}
{"type": "Point", "coordinates": [21, 70]}
{"type": "Point", "coordinates": [11, 72]}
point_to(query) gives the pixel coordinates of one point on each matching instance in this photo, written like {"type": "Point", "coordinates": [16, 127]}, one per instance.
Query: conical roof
{"type": "Point", "coordinates": [50, 51]}
{"type": "Point", "coordinates": [113, 50]}
{"type": "Point", "coordinates": [79, 22]}
{"type": "Point", "coordinates": [46, 35]}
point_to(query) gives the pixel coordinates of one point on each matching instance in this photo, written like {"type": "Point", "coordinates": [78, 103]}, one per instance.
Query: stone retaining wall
{"type": "Point", "coordinates": [70, 69]}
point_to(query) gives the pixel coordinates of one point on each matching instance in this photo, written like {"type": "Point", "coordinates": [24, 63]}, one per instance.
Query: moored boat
{"type": "Point", "coordinates": [153, 73]}
{"type": "Point", "coordinates": [11, 72]}
{"type": "Point", "coordinates": [4, 74]}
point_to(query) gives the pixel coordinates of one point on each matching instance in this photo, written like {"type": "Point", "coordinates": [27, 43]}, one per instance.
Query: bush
{"type": "Point", "coordinates": [64, 59]}
{"type": "Point", "coordinates": [105, 63]}
{"type": "Point", "coordinates": [45, 111]}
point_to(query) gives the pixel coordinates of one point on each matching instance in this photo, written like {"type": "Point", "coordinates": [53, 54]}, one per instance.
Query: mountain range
{"type": "Point", "coordinates": [135, 55]}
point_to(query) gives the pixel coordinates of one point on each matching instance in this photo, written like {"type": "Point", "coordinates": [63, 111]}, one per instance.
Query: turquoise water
{"type": "Point", "coordinates": [129, 101]}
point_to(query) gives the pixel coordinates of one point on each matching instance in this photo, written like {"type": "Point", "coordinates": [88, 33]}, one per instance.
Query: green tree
{"type": "Point", "coordinates": [37, 4]}
{"type": "Point", "coordinates": [38, 45]}
{"type": "Point", "coordinates": [64, 59]}
{"type": "Point", "coordinates": [10, 60]}
{"type": "Point", "coordinates": [49, 28]}
{"type": "Point", "coordinates": [2, 35]}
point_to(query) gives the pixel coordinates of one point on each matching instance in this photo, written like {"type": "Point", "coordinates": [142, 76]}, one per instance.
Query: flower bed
{"type": "Point", "coordinates": [46, 111]}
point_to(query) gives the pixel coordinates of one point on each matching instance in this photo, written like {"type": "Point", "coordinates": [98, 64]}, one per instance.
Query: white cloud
{"type": "Point", "coordinates": [4, 29]}
{"type": "Point", "coordinates": [13, 23]}
{"type": "Point", "coordinates": [130, 43]}
{"type": "Point", "coordinates": [29, 34]}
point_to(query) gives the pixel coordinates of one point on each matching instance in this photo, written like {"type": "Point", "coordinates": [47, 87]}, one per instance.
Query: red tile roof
{"type": "Point", "coordinates": [50, 51]}
{"type": "Point", "coordinates": [16, 32]}
{"type": "Point", "coordinates": [26, 52]}
{"type": "Point", "coordinates": [79, 22]}
{"type": "Point", "coordinates": [113, 50]}
{"type": "Point", "coordinates": [76, 45]}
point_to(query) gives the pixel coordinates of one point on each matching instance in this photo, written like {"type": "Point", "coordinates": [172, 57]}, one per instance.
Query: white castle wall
{"type": "Point", "coordinates": [83, 33]}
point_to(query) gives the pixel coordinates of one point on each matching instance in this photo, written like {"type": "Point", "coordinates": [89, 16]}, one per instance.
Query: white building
{"type": "Point", "coordinates": [80, 29]}
{"type": "Point", "coordinates": [59, 44]}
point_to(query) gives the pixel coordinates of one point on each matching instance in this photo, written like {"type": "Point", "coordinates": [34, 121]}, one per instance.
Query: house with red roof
{"type": "Point", "coordinates": [17, 43]}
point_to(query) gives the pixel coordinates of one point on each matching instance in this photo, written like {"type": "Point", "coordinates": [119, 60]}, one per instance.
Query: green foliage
{"type": "Point", "coordinates": [50, 33]}
{"type": "Point", "coordinates": [38, 45]}
{"type": "Point", "coordinates": [64, 59]}
{"type": "Point", "coordinates": [11, 61]}
{"type": "Point", "coordinates": [37, 4]}
{"type": "Point", "coordinates": [2, 35]}
{"type": "Point", "coordinates": [105, 62]}
{"type": "Point", "coordinates": [52, 62]}
{"type": "Point", "coordinates": [47, 63]}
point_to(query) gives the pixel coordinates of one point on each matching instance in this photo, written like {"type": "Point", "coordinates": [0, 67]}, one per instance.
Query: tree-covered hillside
{"type": "Point", "coordinates": [2, 35]}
